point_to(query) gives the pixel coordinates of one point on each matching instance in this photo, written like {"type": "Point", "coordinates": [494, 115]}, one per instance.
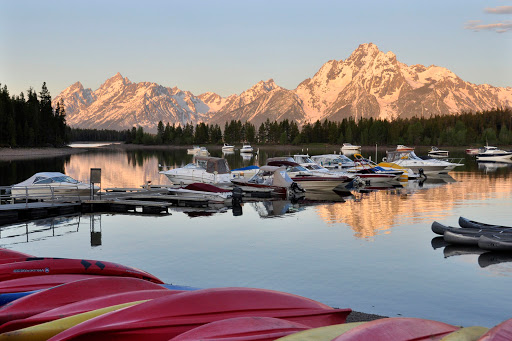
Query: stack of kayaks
{"type": "Point", "coordinates": [486, 236]}
{"type": "Point", "coordinates": [56, 299]}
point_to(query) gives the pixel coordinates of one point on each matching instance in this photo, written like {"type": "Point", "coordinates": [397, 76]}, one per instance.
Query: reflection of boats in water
{"type": "Point", "coordinates": [228, 148]}
{"type": "Point", "coordinates": [246, 156]}
{"type": "Point", "coordinates": [490, 166]}
{"type": "Point", "coordinates": [438, 242]}
{"type": "Point", "coordinates": [432, 181]}
{"type": "Point", "coordinates": [461, 250]}
{"type": "Point", "coordinates": [275, 208]}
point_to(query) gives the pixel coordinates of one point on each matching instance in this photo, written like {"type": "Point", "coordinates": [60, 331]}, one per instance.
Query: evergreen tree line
{"type": "Point", "coordinates": [79, 134]}
{"type": "Point", "coordinates": [492, 126]}
{"type": "Point", "coordinates": [31, 121]}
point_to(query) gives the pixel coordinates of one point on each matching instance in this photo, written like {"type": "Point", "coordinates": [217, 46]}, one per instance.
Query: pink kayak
{"type": "Point", "coordinates": [54, 266]}
{"type": "Point", "coordinates": [69, 293]}
{"type": "Point", "coordinates": [243, 328]}
{"type": "Point", "coordinates": [167, 317]}
{"type": "Point", "coordinates": [39, 282]}
{"type": "Point", "coordinates": [500, 332]}
{"type": "Point", "coordinates": [398, 328]}
{"type": "Point", "coordinates": [85, 306]}
{"type": "Point", "coordinates": [10, 256]}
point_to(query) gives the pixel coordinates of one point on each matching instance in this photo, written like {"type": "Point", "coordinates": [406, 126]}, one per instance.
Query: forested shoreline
{"type": "Point", "coordinates": [31, 121]}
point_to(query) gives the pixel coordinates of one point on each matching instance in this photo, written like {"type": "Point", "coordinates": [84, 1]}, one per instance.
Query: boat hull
{"type": "Point", "coordinates": [180, 177]}
{"type": "Point", "coordinates": [495, 243]}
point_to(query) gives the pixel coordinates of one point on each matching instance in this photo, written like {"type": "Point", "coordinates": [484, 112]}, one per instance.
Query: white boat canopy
{"type": "Point", "coordinates": [43, 178]}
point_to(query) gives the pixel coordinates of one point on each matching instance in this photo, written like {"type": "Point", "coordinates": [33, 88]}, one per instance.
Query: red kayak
{"type": "Point", "coordinates": [243, 328]}
{"type": "Point", "coordinates": [69, 293]}
{"type": "Point", "coordinates": [10, 256]}
{"type": "Point", "coordinates": [54, 266]}
{"type": "Point", "coordinates": [85, 306]}
{"type": "Point", "coordinates": [500, 332]}
{"type": "Point", "coordinates": [398, 328]}
{"type": "Point", "coordinates": [39, 282]}
{"type": "Point", "coordinates": [167, 317]}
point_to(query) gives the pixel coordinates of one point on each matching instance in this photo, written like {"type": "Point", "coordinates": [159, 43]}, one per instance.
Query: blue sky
{"type": "Point", "coordinates": [228, 46]}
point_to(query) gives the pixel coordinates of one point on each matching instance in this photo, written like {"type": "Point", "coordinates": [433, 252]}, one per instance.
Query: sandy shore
{"type": "Point", "coordinates": [10, 154]}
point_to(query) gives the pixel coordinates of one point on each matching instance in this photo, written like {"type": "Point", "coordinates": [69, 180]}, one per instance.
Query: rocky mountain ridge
{"type": "Point", "coordinates": [369, 83]}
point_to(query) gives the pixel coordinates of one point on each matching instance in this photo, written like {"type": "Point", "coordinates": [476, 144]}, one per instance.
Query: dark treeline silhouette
{"type": "Point", "coordinates": [79, 134]}
{"type": "Point", "coordinates": [31, 121]}
{"type": "Point", "coordinates": [492, 126]}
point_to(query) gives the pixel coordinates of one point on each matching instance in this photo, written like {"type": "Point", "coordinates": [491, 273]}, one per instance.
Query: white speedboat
{"type": "Point", "coordinates": [246, 148]}
{"type": "Point", "coordinates": [436, 152]}
{"type": "Point", "coordinates": [403, 148]}
{"type": "Point", "coordinates": [490, 153]}
{"type": "Point", "coordinates": [205, 169]}
{"type": "Point", "coordinates": [48, 185]}
{"type": "Point", "coordinates": [349, 146]}
{"type": "Point", "coordinates": [228, 148]}
{"type": "Point", "coordinates": [408, 159]}
{"type": "Point", "coordinates": [333, 161]}
{"type": "Point", "coordinates": [198, 151]}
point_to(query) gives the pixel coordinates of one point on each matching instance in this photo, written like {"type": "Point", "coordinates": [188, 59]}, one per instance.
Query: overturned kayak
{"type": "Point", "coordinates": [69, 293]}
{"type": "Point", "coordinates": [398, 328]}
{"type": "Point", "coordinates": [166, 317]}
{"type": "Point", "coordinates": [53, 266]}
{"type": "Point", "coordinates": [84, 306]}
{"type": "Point", "coordinates": [243, 328]}
{"type": "Point", "coordinates": [500, 332]}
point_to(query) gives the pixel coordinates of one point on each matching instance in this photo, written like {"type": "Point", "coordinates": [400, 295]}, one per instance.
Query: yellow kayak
{"type": "Point", "coordinates": [44, 331]}
{"type": "Point", "coordinates": [466, 334]}
{"type": "Point", "coordinates": [322, 333]}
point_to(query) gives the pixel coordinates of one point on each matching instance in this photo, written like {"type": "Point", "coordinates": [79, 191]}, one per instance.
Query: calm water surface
{"type": "Point", "coordinates": [372, 252]}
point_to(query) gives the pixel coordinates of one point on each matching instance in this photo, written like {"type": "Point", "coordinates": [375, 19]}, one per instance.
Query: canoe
{"type": "Point", "coordinates": [167, 317]}
{"type": "Point", "coordinates": [10, 256]}
{"type": "Point", "coordinates": [500, 332]}
{"type": "Point", "coordinates": [69, 293]}
{"type": "Point", "coordinates": [45, 331]}
{"type": "Point", "coordinates": [466, 223]}
{"type": "Point", "coordinates": [85, 305]}
{"type": "Point", "coordinates": [243, 328]}
{"type": "Point", "coordinates": [398, 328]}
{"type": "Point", "coordinates": [466, 334]}
{"type": "Point", "coordinates": [39, 282]}
{"type": "Point", "coordinates": [461, 238]}
{"type": "Point", "coordinates": [326, 333]}
{"type": "Point", "coordinates": [53, 266]}
{"type": "Point", "coordinates": [499, 243]}
{"type": "Point", "coordinates": [440, 229]}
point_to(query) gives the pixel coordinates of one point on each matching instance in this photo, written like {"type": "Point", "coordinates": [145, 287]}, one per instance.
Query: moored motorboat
{"type": "Point", "coordinates": [490, 153]}
{"type": "Point", "coordinates": [246, 148]}
{"type": "Point", "coordinates": [244, 172]}
{"type": "Point", "coordinates": [472, 151]}
{"type": "Point", "coordinates": [436, 152]}
{"type": "Point", "coordinates": [404, 148]}
{"type": "Point", "coordinates": [50, 185]}
{"type": "Point", "coordinates": [350, 147]}
{"type": "Point", "coordinates": [209, 170]}
{"type": "Point", "coordinates": [274, 178]}
{"type": "Point", "coordinates": [199, 190]}
{"type": "Point", "coordinates": [333, 161]}
{"type": "Point", "coordinates": [198, 151]}
{"type": "Point", "coordinates": [228, 148]}
{"type": "Point", "coordinates": [408, 159]}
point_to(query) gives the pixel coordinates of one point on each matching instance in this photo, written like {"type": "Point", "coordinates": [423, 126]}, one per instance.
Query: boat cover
{"type": "Point", "coordinates": [47, 178]}
{"type": "Point", "coordinates": [199, 186]}
{"type": "Point", "coordinates": [245, 168]}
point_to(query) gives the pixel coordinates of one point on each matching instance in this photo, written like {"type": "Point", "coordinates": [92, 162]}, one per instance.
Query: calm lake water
{"type": "Point", "coordinates": [372, 252]}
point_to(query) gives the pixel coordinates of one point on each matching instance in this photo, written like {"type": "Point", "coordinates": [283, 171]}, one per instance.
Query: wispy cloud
{"type": "Point", "coordinates": [499, 10]}
{"type": "Point", "coordinates": [499, 27]}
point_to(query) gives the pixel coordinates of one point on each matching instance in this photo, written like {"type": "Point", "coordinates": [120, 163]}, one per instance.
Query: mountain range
{"type": "Point", "coordinates": [369, 83]}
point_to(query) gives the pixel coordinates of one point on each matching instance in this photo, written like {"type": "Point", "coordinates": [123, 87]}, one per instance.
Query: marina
{"type": "Point", "coordinates": [347, 246]}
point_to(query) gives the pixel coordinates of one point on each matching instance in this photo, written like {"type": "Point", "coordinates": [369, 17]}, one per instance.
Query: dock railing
{"type": "Point", "coordinates": [48, 194]}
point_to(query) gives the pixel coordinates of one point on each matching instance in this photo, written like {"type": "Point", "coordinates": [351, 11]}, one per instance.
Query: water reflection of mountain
{"type": "Point", "coordinates": [378, 211]}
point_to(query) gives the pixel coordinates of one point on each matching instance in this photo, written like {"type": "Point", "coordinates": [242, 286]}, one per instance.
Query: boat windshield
{"type": "Point", "coordinates": [297, 168]}
{"type": "Point", "coordinates": [45, 180]}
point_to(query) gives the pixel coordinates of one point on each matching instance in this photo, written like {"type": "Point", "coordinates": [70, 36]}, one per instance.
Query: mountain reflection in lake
{"type": "Point", "coordinates": [371, 251]}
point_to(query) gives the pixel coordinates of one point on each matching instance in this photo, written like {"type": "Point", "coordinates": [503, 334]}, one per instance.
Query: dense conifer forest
{"type": "Point", "coordinates": [31, 121]}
